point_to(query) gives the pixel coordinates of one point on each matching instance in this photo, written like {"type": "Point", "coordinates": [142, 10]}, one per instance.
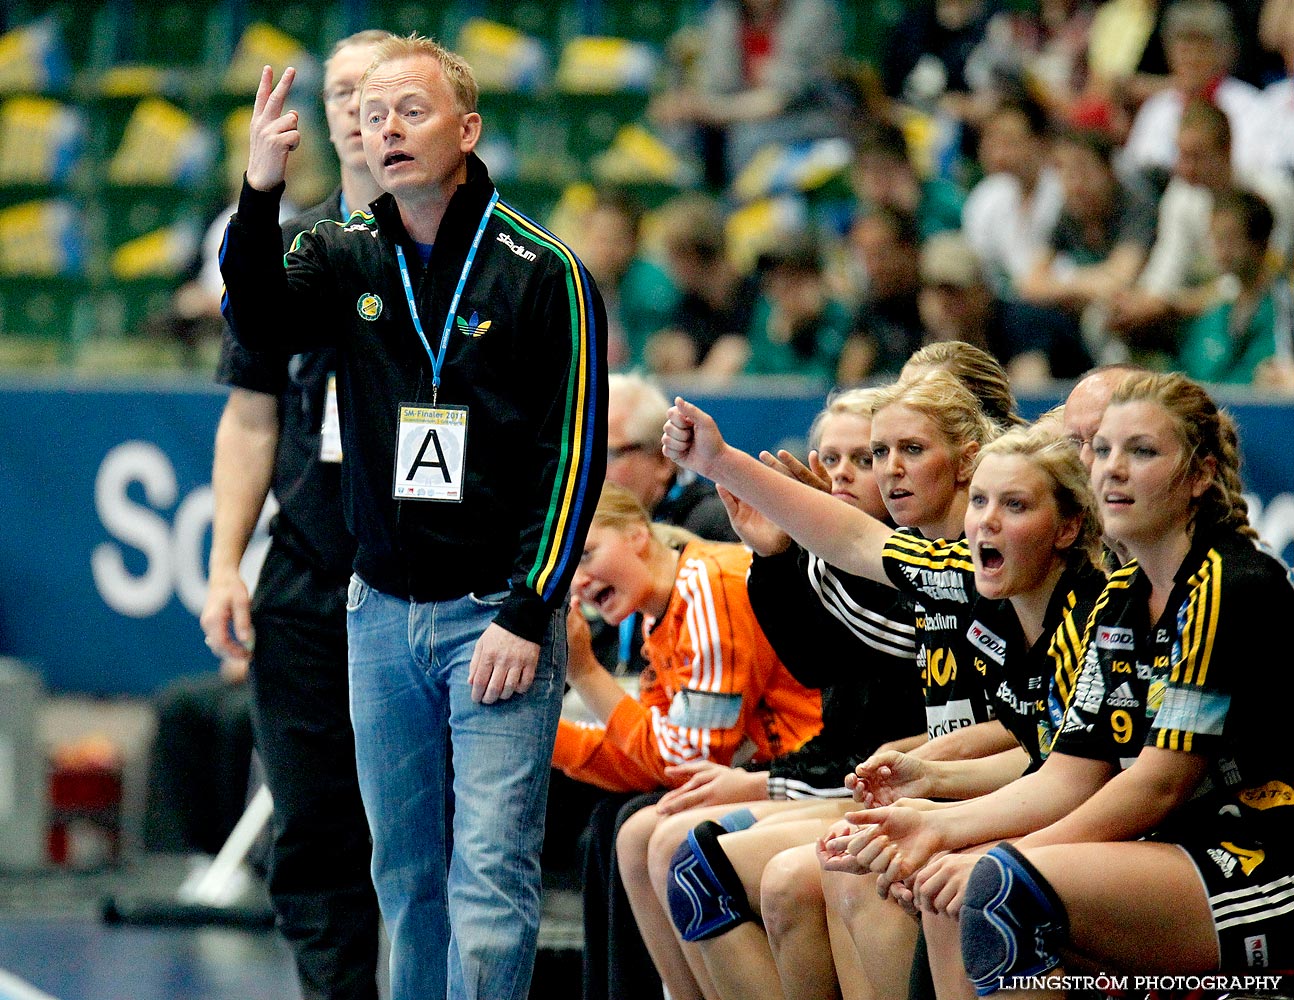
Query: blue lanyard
{"type": "Point", "coordinates": [438, 358]}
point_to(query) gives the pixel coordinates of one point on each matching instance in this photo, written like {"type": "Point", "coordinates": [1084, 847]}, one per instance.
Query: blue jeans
{"type": "Point", "coordinates": [454, 791]}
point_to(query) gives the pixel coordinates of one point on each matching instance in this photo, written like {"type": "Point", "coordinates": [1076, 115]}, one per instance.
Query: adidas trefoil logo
{"type": "Point", "coordinates": [473, 326]}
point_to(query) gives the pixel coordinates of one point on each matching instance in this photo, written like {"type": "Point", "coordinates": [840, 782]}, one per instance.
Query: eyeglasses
{"type": "Point", "coordinates": [620, 451]}
{"type": "Point", "coordinates": [339, 94]}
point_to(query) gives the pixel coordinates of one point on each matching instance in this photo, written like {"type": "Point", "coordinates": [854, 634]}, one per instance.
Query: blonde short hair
{"type": "Point", "coordinates": [462, 80]}
{"type": "Point", "coordinates": [369, 36]}
{"type": "Point", "coordinates": [946, 402]}
{"type": "Point", "coordinates": [857, 402]}
{"type": "Point", "coordinates": [620, 509]}
{"type": "Point", "coordinates": [1049, 450]}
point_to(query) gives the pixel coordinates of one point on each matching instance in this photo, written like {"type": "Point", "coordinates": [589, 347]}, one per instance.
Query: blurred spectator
{"type": "Point", "coordinates": [1200, 42]}
{"type": "Point", "coordinates": [926, 55]}
{"type": "Point", "coordinates": [1251, 323]}
{"type": "Point", "coordinates": [198, 763]}
{"type": "Point", "coordinates": [1042, 47]}
{"type": "Point", "coordinates": [1031, 343]}
{"type": "Point", "coordinates": [762, 75]}
{"type": "Point", "coordinates": [1104, 233]}
{"type": "Point", "coordinates": [798, 329]}
{"type": "Point", "coordinates": [639, 296]}
{"type": "Point", "coordinates": [636, 410]}
{"type": "Point", "coordinates": [708, 334]}
{"type": "Point", "coordinates": [1010, 214]}
{"type": "Point", "coordinates": [1277, 31]}
{"type": "Point", "coordinates": [888, 327]}
{"type": "Point", "coordinates": [1177, 281]}
{"type": "Point", "coordinates": [883, 176]}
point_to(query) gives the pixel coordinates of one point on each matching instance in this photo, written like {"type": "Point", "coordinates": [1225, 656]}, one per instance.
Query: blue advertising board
{"type": "Point", "coordinates": [106, 497]}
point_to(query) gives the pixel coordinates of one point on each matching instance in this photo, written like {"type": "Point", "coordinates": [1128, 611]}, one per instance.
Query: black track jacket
{"type": "Point", "coordinates": [527, 355]}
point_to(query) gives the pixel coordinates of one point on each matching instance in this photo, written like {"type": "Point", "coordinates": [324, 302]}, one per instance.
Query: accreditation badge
{"type": "Point", "coordinates": [430, 452]}
{"type": "Point", "coordinates": [330, 430]}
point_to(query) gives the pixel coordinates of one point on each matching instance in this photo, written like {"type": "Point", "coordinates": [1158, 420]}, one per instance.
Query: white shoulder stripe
{"type": "Point", "coordinates": [703, 624]}
{"type": "Point", "coordinates": [672, 749]}
{"type": "Point", "coordinates": [894, 638]}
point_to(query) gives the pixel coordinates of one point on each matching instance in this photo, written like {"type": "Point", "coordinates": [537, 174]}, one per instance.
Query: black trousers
{"type": "Point", "coordinates": [319, 880]}
{"type": "Point", "coordinates": [197, 769]}
{"type": "Point", "coordinates": [617, 965]}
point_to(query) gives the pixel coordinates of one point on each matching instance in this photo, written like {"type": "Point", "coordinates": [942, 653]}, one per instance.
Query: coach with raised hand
{"type": "Point", "coordinates": [472, 391]}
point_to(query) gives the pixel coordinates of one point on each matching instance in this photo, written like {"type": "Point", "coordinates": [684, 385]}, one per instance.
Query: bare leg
{"type": "Point", "coordinates": [653, 920]}
{"type": "Point", "coordinates": [741, 961]}
{"type": "Point", "coordinates": [883, 935]}
{"type": "Point", "coordinates": [742, 965]}
{"type": "Point", "coordinates": [943, 943]}
{"type": "Point", "coordinates": [849, 971]}
{"type": "Point", "coordinates": [795, 917]}
{"type": "Point", "coordinates": [1127, 898]}
{"type": "Point", "coordinates": [681, 969]}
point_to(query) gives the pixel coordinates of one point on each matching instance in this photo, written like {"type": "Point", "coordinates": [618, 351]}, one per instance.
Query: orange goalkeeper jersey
{"type": "Point", "coordinates": [713, 688]}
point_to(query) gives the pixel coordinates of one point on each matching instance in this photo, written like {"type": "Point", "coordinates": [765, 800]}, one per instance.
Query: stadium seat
{"type": "Point", "coordinates": [82, 28]}
{"type": "Point", "coordinates": [551, 23]}
{"type": "Point", "coordinates": [47, 312]}
{"type": "Point", "coordinates": [653, 23]}
{"type": "Point", "coordinates": [315, 25]}
{"type": "Point", "coordinates": [402, 17]}
{"type": "Point", "coordinates": [42, 142]}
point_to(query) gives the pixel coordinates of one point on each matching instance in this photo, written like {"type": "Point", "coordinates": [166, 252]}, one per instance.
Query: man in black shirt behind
{"type": "Point", "coordinates": [279, 428]}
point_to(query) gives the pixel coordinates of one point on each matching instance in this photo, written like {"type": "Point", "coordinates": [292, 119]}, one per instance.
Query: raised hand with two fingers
{"type": "Point", "coordinates": [274, 132]}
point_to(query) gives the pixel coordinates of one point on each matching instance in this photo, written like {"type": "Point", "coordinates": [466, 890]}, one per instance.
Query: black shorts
{"type": "Point", "coordinates": [1250, 888]}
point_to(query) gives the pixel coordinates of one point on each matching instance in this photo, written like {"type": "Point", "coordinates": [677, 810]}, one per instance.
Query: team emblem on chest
{"type": "Point", "coordinates": [473, 326]}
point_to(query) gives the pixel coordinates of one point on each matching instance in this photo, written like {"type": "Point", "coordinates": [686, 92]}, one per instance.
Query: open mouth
{"type": "Point", "coordinates": [394, 158]}
{"type": "Point", "coordinates": [602, 597]}
{"type": "Point", "coordinates": [900, 494]}
{"type": "Point", "coordinates": [1117, 500]}
{"type": "Point", "coordinates": [990, 557]}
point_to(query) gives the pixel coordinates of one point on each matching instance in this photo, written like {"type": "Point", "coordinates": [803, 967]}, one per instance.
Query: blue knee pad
{"type": "Point", "coordinates": [1012, 921]}
{"type": "Point", "coordinates": [737, 820]}
{"type": "Point", "coordinates": [706, 898]}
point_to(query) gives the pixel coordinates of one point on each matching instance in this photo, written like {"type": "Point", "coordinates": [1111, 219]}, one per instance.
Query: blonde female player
{"type": "Point", "coordinates": [1155, 836]}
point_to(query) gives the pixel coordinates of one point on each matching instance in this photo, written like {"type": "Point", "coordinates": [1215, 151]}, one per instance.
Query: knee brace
{"type": "Point", "coordinates": [1012, 921]}
{"type": "Point", "coordinates": [706, 898]}
{"type": "Point", "coordinates": [737, 820]}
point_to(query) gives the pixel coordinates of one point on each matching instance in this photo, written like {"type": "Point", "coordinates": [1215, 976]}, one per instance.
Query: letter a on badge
{"type": "Point", "coordinates": [434, 440]}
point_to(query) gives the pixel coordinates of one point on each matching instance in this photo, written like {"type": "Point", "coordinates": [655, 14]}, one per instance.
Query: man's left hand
{"type": "Point", "coordinates": [503, 664]}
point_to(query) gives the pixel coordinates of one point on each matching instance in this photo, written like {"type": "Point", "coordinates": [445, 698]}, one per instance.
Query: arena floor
{"type": "Point", "coordinates": [55, 944]}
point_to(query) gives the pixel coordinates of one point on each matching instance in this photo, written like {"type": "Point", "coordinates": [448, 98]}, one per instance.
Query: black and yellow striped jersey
{"type": "Point", "coordinates": [1209, 677]}
{"type": "Point", "coordinates": [940, 579]}
{"type": "Point", "coordinates": [974, 661]}
{"type": "Point", "coordinates": [1029, 687]}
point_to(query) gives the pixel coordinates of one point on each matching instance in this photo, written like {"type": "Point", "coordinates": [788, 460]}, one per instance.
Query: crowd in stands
{"type": "Point", "coordinates": [1076, 147]}
{"type": "Point", "coordinates": [1062, 185]}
